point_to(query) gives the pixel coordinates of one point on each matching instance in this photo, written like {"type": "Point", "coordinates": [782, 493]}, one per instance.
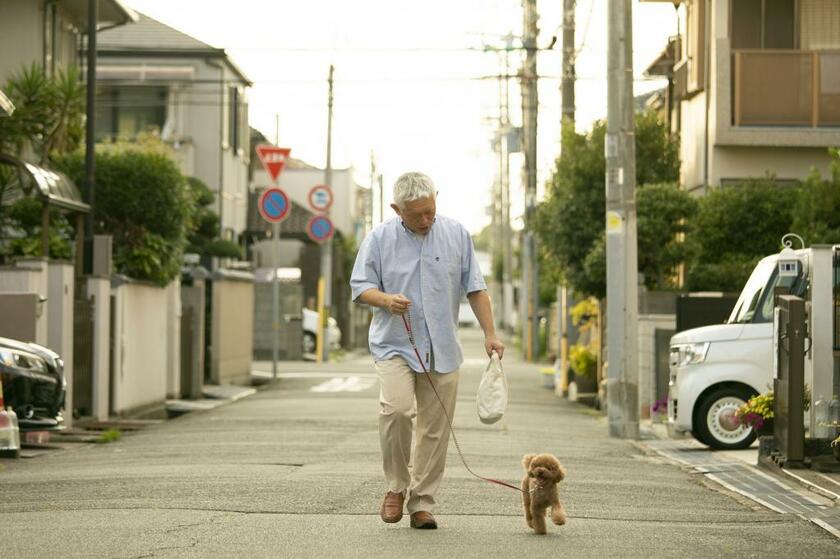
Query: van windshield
{"type": "Point", "coordinates": [750, 297]}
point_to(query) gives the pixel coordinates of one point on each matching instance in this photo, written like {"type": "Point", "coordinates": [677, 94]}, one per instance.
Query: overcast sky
{"type": "Point", "coordinates": [408, 81]}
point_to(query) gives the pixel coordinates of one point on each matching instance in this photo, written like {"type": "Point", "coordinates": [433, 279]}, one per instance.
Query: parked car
{"type": "Point", "coordinates": [310, 329]}
{"type": "Point", "coordinates": [33, 384]}
{"type": "Point", "coordinates": [714, 370]}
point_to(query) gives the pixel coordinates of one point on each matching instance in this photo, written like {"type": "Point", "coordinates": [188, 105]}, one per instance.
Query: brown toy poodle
{"type": "Point", "coordinates": [539, 490]}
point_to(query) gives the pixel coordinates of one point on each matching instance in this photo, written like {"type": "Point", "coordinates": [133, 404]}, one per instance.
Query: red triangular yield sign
{"type": "Point", "coordinates": [273, 159]}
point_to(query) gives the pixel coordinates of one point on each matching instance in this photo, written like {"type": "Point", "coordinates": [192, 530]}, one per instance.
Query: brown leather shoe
{"type": "Point", "coordinates": [392, 507]}
{"type": "Point", "coordinates": [423, 520]}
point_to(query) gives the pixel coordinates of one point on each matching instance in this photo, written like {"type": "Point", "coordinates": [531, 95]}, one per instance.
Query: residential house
{"type": "Point", "coordinates": [156, 79]}
{"type": "Point", "coordinates": [50, 32]}
{"type": "Point", "coordinates": [756, 89]}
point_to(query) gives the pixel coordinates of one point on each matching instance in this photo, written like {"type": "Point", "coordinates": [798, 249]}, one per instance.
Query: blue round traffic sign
{"type": "Point", "coordinates": [320, 228]}
{"type": "Point", "coordinates": [274, 205]}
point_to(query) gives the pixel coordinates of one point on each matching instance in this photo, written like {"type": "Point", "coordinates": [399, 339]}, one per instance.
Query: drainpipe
{"type": "Point", "coordinates": [221, 69]}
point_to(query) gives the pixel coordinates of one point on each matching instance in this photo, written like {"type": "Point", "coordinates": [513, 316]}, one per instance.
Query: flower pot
{"type": "Point", "coordinates": [766, 429]}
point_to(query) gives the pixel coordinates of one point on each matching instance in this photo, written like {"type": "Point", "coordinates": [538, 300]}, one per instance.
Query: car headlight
{"type": "Point", "coordinates": [688, 354]}
{"type": "Point", "coordinates": [22, 360]}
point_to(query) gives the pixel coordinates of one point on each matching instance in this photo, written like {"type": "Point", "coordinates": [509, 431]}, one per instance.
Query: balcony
{"type": "Point", "coordinates": [786, 88]}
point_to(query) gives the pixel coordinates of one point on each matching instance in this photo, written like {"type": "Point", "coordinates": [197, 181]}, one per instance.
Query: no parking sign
{"type": "Point", "coordinates": [320, 228]}
{"type": "Point", "coordinates": [274, 205]}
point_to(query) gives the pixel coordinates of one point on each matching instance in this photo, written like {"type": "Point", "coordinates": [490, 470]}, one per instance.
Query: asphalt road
{"type": "Point", "coordinates": [295, 472]}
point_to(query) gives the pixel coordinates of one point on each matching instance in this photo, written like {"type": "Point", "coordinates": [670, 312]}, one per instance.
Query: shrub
{"type": "Point", "coordinates": [143, 201]}
{"type": "Point", "coordinates": [583, 360]}
{"type": "Point", "coordinates": [735, 227]}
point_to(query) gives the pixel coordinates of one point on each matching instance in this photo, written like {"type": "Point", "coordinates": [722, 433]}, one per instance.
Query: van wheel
{"type": "Point", "coordinates": [714, 419]}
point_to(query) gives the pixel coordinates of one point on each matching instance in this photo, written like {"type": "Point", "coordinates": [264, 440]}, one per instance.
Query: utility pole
{"type": "Point", "coordinates": [90, 126]}
{"type": "Point", "coordinates": [507, 264]}
{"type": "Point", "coordinates": [622, 260]}
{"type": "Point", "coordinates": [567, 81]}
{"type": "Point", "coordinates": [326, 247]}
{"type": "Point", "coordinates": [372, 186]}
{"type": "Point", "coordinates": [530, 322]}
{"type": "Point", "coordinates": [567, 124]}
{"type": "Point", "coordinates": [381, 199]}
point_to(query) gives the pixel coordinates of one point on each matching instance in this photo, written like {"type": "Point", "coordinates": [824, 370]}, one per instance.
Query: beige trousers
{"type": "Point", "coordinates": [403, 396]}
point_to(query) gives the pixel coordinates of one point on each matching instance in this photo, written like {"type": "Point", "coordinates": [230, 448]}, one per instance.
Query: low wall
{"type": "Point", "coordinates": [140, 346]}
{"type": "Point", "coordinates": [232, 336]}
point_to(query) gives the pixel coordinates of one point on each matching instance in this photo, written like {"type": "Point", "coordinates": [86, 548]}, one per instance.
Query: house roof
{"type": "Point", "coordinates": [110, 13]}
{"type": "Point", "coordinates": [151, 38]}
{"type": "Point", "coordinates": [147, 32]}
{"type": "Point", "coordinates": [663, 65]}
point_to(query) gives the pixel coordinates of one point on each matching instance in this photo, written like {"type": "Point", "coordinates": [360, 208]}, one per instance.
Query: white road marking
{"type": "Point", "coordinates": [349, 384]}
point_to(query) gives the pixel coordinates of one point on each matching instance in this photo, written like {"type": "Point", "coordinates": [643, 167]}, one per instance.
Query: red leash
{"type": "Point", "coordinates": [407, 323]}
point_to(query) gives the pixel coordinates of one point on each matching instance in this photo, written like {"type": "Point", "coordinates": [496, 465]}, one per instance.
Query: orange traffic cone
{"type": "Point", "coordinates": [9, 433]}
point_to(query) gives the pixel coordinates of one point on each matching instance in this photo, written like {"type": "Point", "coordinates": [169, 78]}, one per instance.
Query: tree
{"type": "Point", "coordinates": [203, 230]}
{"type": "Point", "coordinates": [48, 114]}
{"type": "Point", "coordinates": [48, 120]}
{"type": "Point", "coordinates": [734, 228]}
{"type": "Point", "coordinates": [570, 222]}
{"type": "Point", "coordinates": [816, 215]}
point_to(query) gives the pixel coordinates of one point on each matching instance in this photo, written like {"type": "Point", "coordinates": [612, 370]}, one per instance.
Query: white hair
{"type": "Point", "coordinates": [413, 186]}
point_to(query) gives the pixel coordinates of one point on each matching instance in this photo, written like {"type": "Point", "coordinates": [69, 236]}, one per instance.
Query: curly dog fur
{"type": "Point", "coordinates": [539, 490]}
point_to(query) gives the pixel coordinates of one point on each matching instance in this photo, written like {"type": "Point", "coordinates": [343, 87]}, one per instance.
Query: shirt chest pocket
{"type": "Point", "coordinates": [444, 268]}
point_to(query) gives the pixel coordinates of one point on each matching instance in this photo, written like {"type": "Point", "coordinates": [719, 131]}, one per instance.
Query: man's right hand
{"type": "Point", "coordinates": [396, 303]}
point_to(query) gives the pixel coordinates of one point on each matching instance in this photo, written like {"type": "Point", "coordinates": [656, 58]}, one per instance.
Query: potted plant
{"type": "Point", "coordinates": [835, 447]}
{"type": "Point", "coordinates": [583, 362]}
{"type": "Point", "coordinates": [757, 414]}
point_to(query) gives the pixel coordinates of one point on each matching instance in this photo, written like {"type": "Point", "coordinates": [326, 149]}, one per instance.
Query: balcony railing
{"type": "Point", "coordinates": [786, 88]}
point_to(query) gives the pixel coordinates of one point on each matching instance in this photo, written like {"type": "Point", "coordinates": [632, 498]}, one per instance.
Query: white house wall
{"type": "Point", "coordinates": [197, 111]}
{"type": "Point", "coordinates": [692, 142]}
{"type": "Point", "coordinates": [740, 152]}
{"type": "Point", "coordinates": [22, 37]}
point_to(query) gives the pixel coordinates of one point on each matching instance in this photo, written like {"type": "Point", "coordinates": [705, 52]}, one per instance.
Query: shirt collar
{"type": "Point", "coordinates": [415, 235]}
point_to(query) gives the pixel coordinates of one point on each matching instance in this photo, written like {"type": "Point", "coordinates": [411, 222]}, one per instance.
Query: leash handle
{"type": "Point", "coordinates": [407, 323]}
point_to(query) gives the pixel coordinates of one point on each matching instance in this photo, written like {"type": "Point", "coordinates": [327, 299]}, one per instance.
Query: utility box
{"type": "Point", "coordinates": [19, 313]}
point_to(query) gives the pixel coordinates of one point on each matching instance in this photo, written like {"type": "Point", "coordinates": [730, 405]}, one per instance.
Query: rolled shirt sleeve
{"type": "Point", "coordinates": [367, 268]}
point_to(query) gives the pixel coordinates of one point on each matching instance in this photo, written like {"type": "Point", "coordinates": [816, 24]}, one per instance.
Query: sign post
{"type": "Point", "coordinates": [320, 229]}
{"type": "Point", "coordinates": [274, 206]}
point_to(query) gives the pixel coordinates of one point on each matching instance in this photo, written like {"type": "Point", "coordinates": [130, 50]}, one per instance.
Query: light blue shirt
{"type": "Point", "coordinates": [433, 272]}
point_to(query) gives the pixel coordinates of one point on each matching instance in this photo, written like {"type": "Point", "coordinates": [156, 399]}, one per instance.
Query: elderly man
{"type": "Point", "coordinates": [416, 266]}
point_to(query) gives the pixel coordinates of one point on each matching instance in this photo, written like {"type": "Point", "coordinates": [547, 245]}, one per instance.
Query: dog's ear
{"type": "Point", "coordinates": [560, 475]}
{"type": "Point", "coordinates": [526, 460]}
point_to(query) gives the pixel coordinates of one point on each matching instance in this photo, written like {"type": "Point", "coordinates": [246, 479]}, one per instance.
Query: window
{"type": "Point", "coordinates": [696, 45]}
{"type": "Point", "coordinates": [238, 120]}
{"type": "Point", "coordinates": [126, 111]}
{"type": "Point", "coordinates": [763, 24]}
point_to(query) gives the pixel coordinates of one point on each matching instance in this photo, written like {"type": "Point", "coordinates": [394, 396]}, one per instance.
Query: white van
{"type": "Point", "coordinates": [716, 369]}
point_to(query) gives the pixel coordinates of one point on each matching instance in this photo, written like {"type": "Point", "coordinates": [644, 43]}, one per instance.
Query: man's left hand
{"type": "Point", "coordinates": [492, 344]}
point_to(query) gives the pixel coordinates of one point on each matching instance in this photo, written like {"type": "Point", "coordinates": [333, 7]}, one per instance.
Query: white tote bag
{"type": "Point", "coordinates": [492, 398]}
